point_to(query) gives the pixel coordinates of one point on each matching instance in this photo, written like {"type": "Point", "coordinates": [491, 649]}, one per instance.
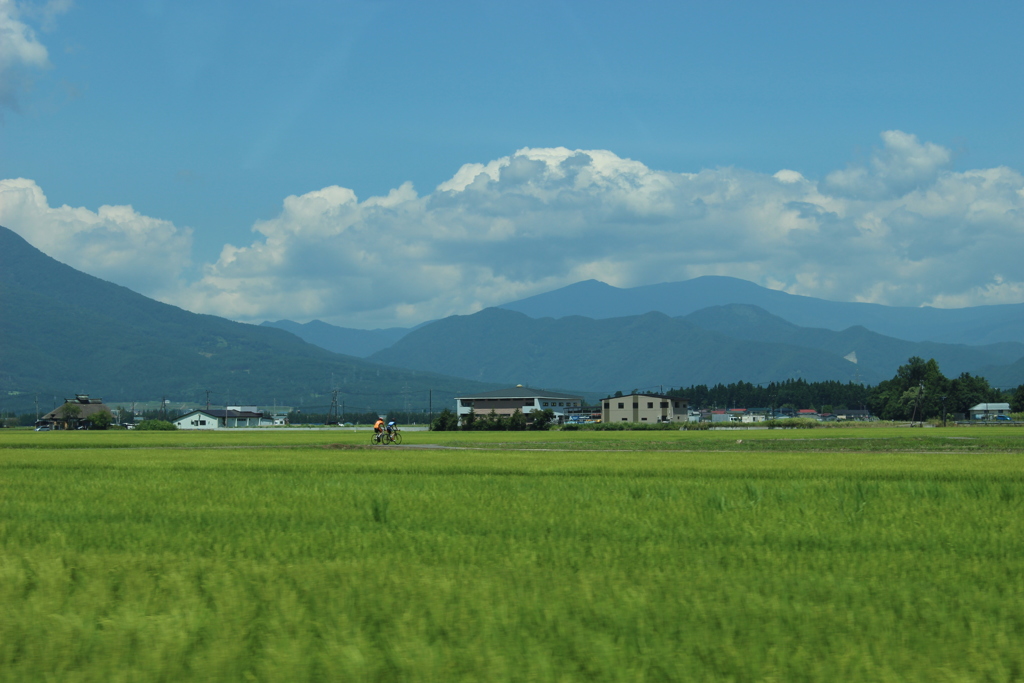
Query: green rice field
{"type": "Point", "coordinates": [885, 554]}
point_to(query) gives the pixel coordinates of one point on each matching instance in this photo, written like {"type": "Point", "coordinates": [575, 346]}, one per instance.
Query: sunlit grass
{"type": "Point", "coordinates": [252, 556]}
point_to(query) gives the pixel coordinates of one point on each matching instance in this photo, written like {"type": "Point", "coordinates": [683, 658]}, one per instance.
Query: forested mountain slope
{"type": "Point", "coordinates": [64, 332]}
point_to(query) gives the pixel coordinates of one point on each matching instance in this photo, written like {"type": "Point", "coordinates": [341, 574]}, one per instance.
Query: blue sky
{"type": "Point", "coordinates": [384, 163]}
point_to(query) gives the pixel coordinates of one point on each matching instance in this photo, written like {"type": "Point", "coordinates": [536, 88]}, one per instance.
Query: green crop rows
{"type": "Point", "coordinates": [889, 554]}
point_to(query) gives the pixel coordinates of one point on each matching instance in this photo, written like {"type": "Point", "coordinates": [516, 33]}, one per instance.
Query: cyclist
{"type": "Point", "coordinates": [392, 428]}
{"type": "Point", "coordinates": [378, 427]}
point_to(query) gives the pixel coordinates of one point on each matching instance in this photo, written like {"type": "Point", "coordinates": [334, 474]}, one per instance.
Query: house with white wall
{"type": "Point", "coordinates": [232, 416]}
{"type": "Point", "coordinates": [989, 411]}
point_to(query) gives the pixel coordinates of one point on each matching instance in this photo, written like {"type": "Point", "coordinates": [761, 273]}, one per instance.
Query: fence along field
{"type": "Point", "coordinates": [889, 555]}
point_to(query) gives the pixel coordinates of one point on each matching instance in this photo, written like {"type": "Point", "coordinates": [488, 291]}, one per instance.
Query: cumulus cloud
{"type": "Point", "coordinates": [21, 52]}
{"type": "Point", "coordinates": [115, 243]}
{"type": "Point", "coordinates": [901, 165]}
{"type": "Point", "coordinates": [903, 229]}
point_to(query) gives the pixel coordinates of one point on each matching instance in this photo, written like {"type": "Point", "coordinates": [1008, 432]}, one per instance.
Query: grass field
{"type": "Point", "coordinates": [883, 554]}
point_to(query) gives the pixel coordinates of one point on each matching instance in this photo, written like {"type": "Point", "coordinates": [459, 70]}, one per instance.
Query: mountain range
{"type": "Point", "coordinates": [724, 344]}
{"type": "Point", "coordinates": [593, 299]}
{"type": "Point", "coordinates": [705, 330]}
{"type": "Point", "coordinates": [64, 332]}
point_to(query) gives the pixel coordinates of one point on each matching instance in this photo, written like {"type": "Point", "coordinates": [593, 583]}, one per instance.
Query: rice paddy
{"type": "Point", "coordinates": [883, 554]}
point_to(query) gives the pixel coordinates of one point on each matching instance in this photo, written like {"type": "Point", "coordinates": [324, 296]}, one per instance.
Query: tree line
{"type": "Point", "coordinates": [918, 390]}
{"type": "Point", "coordinates": [448, 421]}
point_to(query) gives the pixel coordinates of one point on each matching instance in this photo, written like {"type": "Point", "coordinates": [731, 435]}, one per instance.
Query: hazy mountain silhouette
{"type": "Point", "coordinates": [346, 340]}
{"type": "Point", "coordinates": [593, 299]}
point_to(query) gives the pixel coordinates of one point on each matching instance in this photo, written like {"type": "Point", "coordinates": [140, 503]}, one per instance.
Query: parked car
{"type": "Point", "coordinates": [44, 428]}
{"type": "Point", "coordinates": [1004, 418]}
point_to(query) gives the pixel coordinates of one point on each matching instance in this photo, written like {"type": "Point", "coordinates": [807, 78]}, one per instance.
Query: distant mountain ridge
{"type": "Point", "coordinates": [64, 332]}
{"type": "Point", "coordinates": [346, 340]}
{"type": "Point", "coordinates": [876, 354]}
{"type": "Point", "coordinates": [591, 298]}
{"type": "Point", "coordinates": [649, 350]}
{"type": "Point", "coordinates": [654, 350]}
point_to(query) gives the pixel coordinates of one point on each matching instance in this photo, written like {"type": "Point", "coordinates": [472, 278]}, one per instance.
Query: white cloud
{"type": "Point", "coordinates": [900, 166]}
{"type": "Point", "coordinates": [902, 230]}
{"type": "Point", "coordinates": [115, 243]}
{"type": "Point", "coordinates": [20, 49]}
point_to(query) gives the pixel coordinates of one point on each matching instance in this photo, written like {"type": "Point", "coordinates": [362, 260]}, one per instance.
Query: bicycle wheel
{"type": "Point", "coordinates": [374, 439]}
{"type": "Point", "coordinates": [397, 438]}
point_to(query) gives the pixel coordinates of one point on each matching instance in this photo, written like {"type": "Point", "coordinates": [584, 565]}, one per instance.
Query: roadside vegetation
{"type": "Point", "coordinates": [880, 554]}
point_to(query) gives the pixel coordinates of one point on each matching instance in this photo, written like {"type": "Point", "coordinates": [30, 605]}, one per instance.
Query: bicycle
{"type": "Point", "coordinates": [379, 438]}
{"type": "Point", "coordinates": [394, 437]}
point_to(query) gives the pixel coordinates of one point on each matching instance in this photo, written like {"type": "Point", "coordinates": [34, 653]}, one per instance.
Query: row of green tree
{"type": "Point", "coordinates": [298, 417]}
{"type": "Point", "coordinates": [448, 421]}
{"type": "Point", "coordinates": [792, 393]}
{"type": "Point", "coordinates": [919, 390]}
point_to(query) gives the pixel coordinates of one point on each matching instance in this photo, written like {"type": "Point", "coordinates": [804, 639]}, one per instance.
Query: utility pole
{"type": "Point", "coordinates": [917, 405]}
{"type": "Point", "coordinates": [333, 412]}
{"type": "Point", "coordinates": [430, 404]}
{"type": "Point", "coordinates": [207, 400]}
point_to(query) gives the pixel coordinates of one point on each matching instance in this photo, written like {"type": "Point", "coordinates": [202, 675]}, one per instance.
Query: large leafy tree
{"type": "Point", "coordinates": [447, 421]}
{"type": "Point", "coordinates": [517, 422]}
{"type": "Point", "coordinates": [541, 419]}
{"type": "Point", "coordinates": [915, 392]}
{"type": "Point", "coordinates": [69, 412]}
{"type": "Point", "coordinates": [1017, 400]}
{"type": "Point", "coordinates": [100, 420]}
{"type": "Point", "coordinates": [967, 391]}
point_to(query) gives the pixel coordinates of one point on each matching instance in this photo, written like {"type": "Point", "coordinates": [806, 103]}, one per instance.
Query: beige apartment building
{"type": "Point", "coordinates": [644, 408]}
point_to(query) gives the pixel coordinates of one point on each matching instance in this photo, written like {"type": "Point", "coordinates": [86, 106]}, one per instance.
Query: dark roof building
{"type": "Point", "coordinates": [74, 412]}
{"type": "Point", "coordinates": [519, 397]}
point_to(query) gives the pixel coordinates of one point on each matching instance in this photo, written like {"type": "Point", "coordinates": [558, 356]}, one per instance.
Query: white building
{"type": "Point", "coordinates": [519, 397]}
{"type": "Point", "coordinates": [989, 411]}
{"type": "Point", "coordinates": [233, 416]}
